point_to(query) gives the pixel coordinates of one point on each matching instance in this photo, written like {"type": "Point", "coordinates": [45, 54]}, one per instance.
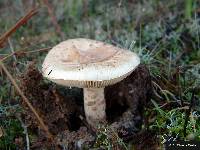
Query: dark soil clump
{"type": "Point", "coordinates": [54, 108]}
{"type": "Point", "coordinates": [146, 140]}
{"type": "Point", "coordinates": [61, 111]}
{"type": "Point", "coordinates": [126, 100]}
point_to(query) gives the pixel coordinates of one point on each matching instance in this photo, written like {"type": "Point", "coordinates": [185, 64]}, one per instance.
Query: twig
{"type": "Point", "coordinates": [12, 49]}
{"type": "Point", "coordinates": [40, 120]}
{"type": "Point", "coordinates": [175, 102]}
{"type": "Point", "coordinates": [25, 132]}
{"type": "Point", "coordinates": [188, 113]}
{"type": "Point", "coordinates": [21, 22]}
{"type": "Point", "coordinates": [24, 52]}
{"type": "Point", "coordinates": [53, 19]}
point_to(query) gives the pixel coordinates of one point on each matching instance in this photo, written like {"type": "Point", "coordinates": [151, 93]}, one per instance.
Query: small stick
{"type": "Point", "coordinates": [49, 72]}
{"type": "Point", "coordinates": [24, 52]}
{"type": "Point", "coordinates": [25, 132]}
{"type": "Point", "coordinates": [12, 49]}
{"type": "Point", "coordinates": [21, 22]}
{"type": "Point", "coordinates": [40, 120]}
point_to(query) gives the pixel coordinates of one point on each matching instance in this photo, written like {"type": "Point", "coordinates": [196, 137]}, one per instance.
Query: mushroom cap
{"type": "Point", "coordinates": [88, 63]}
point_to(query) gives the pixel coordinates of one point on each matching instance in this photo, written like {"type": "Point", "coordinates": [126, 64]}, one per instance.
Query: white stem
{"type": "Point", "coordinates": [94, 105]}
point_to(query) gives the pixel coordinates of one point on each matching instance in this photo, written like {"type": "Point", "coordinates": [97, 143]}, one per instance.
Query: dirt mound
{"type": "Point", "coordinates": [61, 110]}
{"type": "Point", "coordinates": [126, 101]}
{"type": "Point", "coordinates": [54, 108]}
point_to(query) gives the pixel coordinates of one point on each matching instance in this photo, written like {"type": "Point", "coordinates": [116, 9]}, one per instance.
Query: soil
{"type": "Point", "coordinates": [126, 101]}
{"type": "Point", "coordinates": [146, 140]}
{"type": "Point", "coordinates": [61, 108]}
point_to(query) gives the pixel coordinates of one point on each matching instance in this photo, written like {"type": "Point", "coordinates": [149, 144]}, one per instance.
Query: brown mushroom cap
{"type": "Point", "coordinates": [88, 63]}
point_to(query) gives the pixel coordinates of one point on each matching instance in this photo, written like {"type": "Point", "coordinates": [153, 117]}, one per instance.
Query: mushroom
{"type": "Point", "coordinates": [91, 65]}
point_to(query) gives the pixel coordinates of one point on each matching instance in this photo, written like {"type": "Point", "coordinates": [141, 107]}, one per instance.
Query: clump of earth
{"type": "Point", "coordinates": [63, 112]}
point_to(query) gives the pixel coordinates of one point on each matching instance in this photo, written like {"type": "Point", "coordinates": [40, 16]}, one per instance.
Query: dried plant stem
{"type": "Point", "coordinates": [25, 132]}
{"type": "Point", "coordinates": [12, 49]}
{"type": "Point", "coordinates": [21, 22]}
{"type": "Point", "coordinates": [40, 120]}
{"type": "Point", "coordinates": [24, 52]}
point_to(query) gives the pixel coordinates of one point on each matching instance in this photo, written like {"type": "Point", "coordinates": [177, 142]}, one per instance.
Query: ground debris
{"type": "Point", "coordinates": [56, 110]}
{"type": "Point", "coordinates": [76, 139]}
{"type": "Point", "coordinates": [125, 103]}
{"type": "Point", "coordinates": [127, 99]}
{"type": "Point", "coordinates": [146, 140]}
